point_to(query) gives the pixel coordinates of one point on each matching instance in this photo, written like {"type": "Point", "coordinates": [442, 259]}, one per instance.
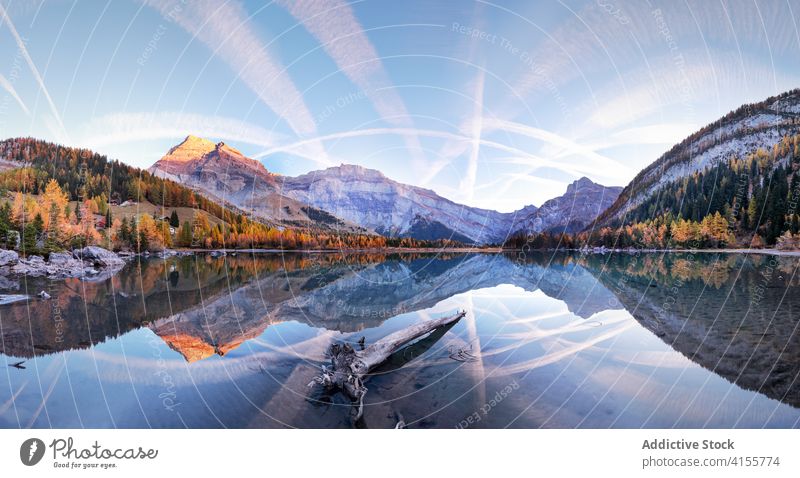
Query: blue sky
{"type": "Point", "coordinates": [496, 105]}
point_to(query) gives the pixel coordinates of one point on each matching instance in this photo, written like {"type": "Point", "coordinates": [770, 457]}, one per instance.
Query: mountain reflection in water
{"type": "Point", "coordinates": [648, 340]}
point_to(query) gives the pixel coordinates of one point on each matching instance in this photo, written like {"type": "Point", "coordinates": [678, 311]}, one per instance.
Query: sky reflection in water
{"type": "Point", "coordinates": [560, 340]}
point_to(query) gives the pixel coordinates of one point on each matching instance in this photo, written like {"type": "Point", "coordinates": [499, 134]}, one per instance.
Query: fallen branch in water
{"type": "Point", "coordinates": [349, 367]}
{"type": "Point", "coordinates": [18, 365]}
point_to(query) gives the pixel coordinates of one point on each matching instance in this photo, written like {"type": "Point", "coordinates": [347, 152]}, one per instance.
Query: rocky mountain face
{"type": "Point", "coordinates": [739, 133]}
{"type": "Point", "coordinates": [363, 197]}
{"type": "Point", "coordinates": [226, 175]}
{"type": "Point", "coordinates": [572, 212]}
{"type": "Point", "coordinates": [368, 198]}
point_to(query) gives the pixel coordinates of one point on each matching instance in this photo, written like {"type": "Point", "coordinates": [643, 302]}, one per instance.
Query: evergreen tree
{"type": "Point", "coordinates": [51, 241]}
{"type": "Point", "coordinates": [125, 231]}
{"type": "Point", "coordinates": [5, 223]}
{"type": "Point", "coordinates": [30, 235]}
{"type": "Point", "coordinates": [185, 235]}
{"type": "Point", "coordinates": [143, 243]}
{"type": "Point", "coordinates": [38, 223]}
{"type": "Point", "coordinates": [28, 243]}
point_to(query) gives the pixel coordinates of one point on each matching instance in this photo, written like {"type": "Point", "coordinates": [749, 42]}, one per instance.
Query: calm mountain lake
{"type": "Point", "coordinates": [549, 340]}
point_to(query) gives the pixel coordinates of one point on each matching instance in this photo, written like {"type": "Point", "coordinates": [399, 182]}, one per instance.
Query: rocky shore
{"type": "Point", "coordinates": [91, 262]}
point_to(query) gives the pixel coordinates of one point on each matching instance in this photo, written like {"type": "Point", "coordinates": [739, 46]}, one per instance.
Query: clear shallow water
{"type": "Point", "coordinates": [558, 340]}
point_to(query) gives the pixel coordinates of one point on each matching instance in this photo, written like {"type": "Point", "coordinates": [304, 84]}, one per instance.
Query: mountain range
{"type": "Point", "coordinates": [222, 173]}
{"type": "Point", "coordinates": [350, 196]}
{"type": "Point", "coordinates": [741, 166]}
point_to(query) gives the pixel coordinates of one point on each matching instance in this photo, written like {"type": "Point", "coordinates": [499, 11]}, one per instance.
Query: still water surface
{"type": "Point", "coordinates": [550, 340]}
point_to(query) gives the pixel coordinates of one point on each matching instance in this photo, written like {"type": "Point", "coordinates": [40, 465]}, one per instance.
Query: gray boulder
{"type": "Point", "coordinates": [8, 257]}
{"type": "Point", "coordinates": [98, 257]}
{"type": "Point", "coordinates": [62, 265]}
{"type": "Point", "coordinates": [33, 266]}
{"type": "Point", "coordinates": [91, 262]}
{"type": "Point", "coordinates": [35, 260]}
{"type": "Point", "coordinates": [62, 259]}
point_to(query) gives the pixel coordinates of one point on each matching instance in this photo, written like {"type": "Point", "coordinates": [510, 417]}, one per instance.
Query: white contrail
{"type": "Point", "coordinates": [555, 355]}
{"type": "Point", "coordinates": [225, 29]}
{"type": "Point", "coordinates": [476, 129]}
{"type": "Point", "coordinates": [118, 128]}
{"type": "Point", "coordinates": [587, 45]}
{"type": "Point", "coordinates": [659, 133]}
{"type": "Point", "coordinates": [6, 85]}
{"type": "Point", "coordinates": [24, 51]}
{"type": "Point", "coordinates": [555, 140]}
{"type": "Point", "coordinates": [533, 160]}
{"type": "Point", "coordinates": [341, 35]}
{"type": "Point", "coordinates": [399, 131]}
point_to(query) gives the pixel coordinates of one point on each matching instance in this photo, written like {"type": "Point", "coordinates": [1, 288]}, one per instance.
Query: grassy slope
{"type": "Point", "coordinates": [184, 213]}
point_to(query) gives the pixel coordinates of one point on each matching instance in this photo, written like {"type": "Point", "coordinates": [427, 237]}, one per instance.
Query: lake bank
{"type": "Point", "coordinates": [391, 250]}
{"type": "Point", "coordinates": [773, 252]}
{"type": "Point", "coordinates": [94, 263]}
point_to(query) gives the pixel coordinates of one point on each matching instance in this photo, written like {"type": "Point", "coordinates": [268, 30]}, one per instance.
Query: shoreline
{"type": "Point", "coordinates": [484, 250]}
{"type": "Point", "coordinates": [95, 263]}
{"type": "Point", "coordinates": [766, 252]}
{"type": "Point", "coordinates": [460, 250]}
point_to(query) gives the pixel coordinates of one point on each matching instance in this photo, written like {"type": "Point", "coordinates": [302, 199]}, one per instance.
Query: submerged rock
{"type": "Point", "coordinates": [6, 283]}
{"type": "Point", "coordinates": [167, 253]}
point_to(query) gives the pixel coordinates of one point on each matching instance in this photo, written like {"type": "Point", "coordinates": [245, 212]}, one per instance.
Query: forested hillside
{"type": "Point", "coordinates": [745, 201]}
{"type": "Point", "coordinates": [86, 174]}
{"type": "Point", "coordinates": [742, 132]}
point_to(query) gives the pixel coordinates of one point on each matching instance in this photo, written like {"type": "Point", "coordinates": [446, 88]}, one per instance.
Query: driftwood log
{"type": "Point", "coordinates": [349, 367]}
